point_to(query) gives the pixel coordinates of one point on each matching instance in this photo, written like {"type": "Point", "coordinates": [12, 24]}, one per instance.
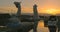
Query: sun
{"type": "Point", "coordinates": [51, 11]}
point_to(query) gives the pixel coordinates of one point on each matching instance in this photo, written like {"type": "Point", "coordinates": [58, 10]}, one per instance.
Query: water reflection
{"type": "Point", "coordinates": [41, 24]}
{"type": "Point", "coordinates": [41, 27]}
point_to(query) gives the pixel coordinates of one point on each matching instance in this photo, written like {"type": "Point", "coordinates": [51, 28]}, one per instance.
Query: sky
{"type": "Point", "coordinates": [44, 6]}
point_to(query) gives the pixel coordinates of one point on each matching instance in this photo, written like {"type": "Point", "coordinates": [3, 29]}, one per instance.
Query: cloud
{"type": "Point", "coordinates": [14, 9]}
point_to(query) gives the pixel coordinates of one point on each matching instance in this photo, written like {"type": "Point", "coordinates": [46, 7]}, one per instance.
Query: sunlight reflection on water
{"type": "Point", "coordinates": [41, 27]}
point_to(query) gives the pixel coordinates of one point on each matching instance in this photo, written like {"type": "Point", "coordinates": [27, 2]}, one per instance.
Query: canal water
{"type": "Point", "coordinates": [41, 27]}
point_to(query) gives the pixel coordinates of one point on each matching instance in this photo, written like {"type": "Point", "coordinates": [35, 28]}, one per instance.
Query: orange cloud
{"type": "Point", "coordinates": [14, 9]}
{"type": "Point", "coordinates": [29, 9]}
{"type": "Point", "coordinates": [8, 9]}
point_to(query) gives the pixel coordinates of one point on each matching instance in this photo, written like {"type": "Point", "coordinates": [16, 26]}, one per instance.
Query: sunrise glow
{"type": "Point", "coordinates": [51, 11]}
